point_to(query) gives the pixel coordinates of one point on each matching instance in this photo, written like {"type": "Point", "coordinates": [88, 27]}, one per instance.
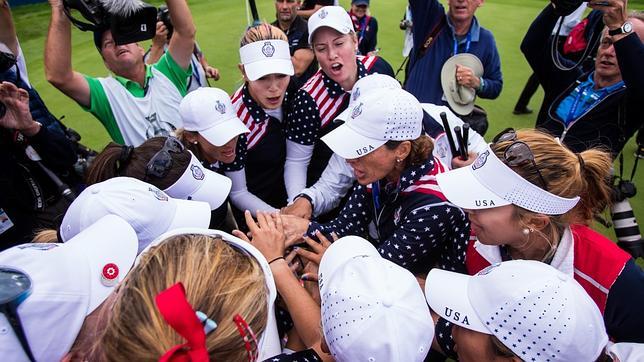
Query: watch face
{"type": "Point", "coordinates": [627, 28]}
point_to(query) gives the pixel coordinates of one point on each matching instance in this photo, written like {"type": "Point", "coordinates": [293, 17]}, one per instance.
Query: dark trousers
{"type": "Point", "coordinates": [529, 90]}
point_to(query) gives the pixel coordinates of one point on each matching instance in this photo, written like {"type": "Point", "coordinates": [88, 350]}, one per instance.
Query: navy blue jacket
{"type": "Point", "coordinates": [614, 119]}
{"type": "Point", "coordinates": [423, 78]}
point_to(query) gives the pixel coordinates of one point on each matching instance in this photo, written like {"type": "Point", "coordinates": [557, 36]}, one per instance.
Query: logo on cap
{"type": "Point", "coordinates": [268, 49]}
{"type": "Point", "coordinates": [220, 107]}
{"type": "Point", "coordinates": [110, 275]}
{"type": "Point", "coordinates": [39, 246]}
{"type": "Point", "coordinates": [365, 150]}
{"type": "Point", "coordinates": [357, 110]}
{"type": "Point", "coordinates": [197, 173]}
{"type": "Point", "coordinates": [356, 94]}
{"type": "Point", "coordinates": [158, 194]}
{"type": "Point", "coordinates": [480, 161]}
{"type": "Point", "coordinates": [323, 14]}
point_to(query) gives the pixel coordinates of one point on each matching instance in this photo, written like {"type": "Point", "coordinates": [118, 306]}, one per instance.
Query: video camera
{"type": "Point", "coordinates": [566, 7]}
{"type": "Point", "coordinates": [163, 15]}
{"type": "Point", "coordinates": [129, 20]}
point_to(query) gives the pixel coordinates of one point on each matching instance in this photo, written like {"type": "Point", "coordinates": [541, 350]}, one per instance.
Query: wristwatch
{"type": "Point", "coordinates": [626, 28]}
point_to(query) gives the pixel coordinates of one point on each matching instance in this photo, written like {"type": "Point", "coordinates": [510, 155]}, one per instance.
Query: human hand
{"type": "Point", "coordinates": [212, 72]}
{"type": "Point", "coordinates": [465, 76]}
{"type": "Point", "coordinates": [457, 162]}
{"type": "Point", "coordinates": [267, 234]}
{"type": "Point", "coordinates": [615, 11]}
{"type": "Point", "coordinates": [294, 228]}
{"type": "Point", "coordinates": [301, 207]}
{"type": "Point", "coordinates": [317, 249]}
{"type": "Point", "coordinates": [17, 115]}
{"type": "Point", "coordinates": [160, 36]}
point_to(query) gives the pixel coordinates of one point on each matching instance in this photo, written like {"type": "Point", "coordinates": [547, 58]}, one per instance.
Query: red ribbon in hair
{"type": "Point", "coordinates": [180, 315]}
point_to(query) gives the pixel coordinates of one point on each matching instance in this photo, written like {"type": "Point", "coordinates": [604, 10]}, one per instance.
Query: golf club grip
{"type": "Point", "coordinates": [466, 136]}
{"type": "Point", "coordinates": [253, 10]}
{"type": "Point", "coordinates": [448, 133]}
{"type": "Point", "coordinates": [461, 143]}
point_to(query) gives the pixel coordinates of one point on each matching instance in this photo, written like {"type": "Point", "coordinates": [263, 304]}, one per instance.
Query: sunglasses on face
{"type": "Point", "coordinates": [161, 163]}
{"type": "Point", "coordinates": [15, 288]}
{"type": "Point", "coordinates": [518, 153]}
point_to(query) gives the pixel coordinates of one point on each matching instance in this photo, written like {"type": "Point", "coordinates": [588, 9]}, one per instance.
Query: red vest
{"type": "Point", "coordinates": [597, 262]}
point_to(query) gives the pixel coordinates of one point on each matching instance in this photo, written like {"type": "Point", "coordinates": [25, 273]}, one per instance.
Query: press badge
{"type": "Point", "coordinates": [5, 221]}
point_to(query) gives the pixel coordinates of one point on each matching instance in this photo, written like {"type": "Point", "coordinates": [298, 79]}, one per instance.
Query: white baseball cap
{"type": "Point", "coordinates": [488, 182]}
{"type": "Point", "coordinates": [200, 184]}
{"type": "Point", "coordinates": [335, 17]}
{"type": "Point", "coordinates": [534, 309]}
{"type": "Point", "coordinates": [69, 281]}
{"type": "Point", "coordinates": [380, 116]}
{"type": "Point", "coordinates": [150, 211]}
{"type": "Point", "coordinates": [367, 85]}
{"type": "Point", "coordinates": [265, 57]}
{"type": "Point", "coordinates": [372, 309]}
{"type": "Point", "coordinates": [269, 342]}
{"type": "Point", "coordinates": [210, 112]}
{"type": "Point", "coordinates": [460, 98]}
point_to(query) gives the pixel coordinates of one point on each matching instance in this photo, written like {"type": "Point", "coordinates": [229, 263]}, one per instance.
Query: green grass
{"type": "Point", "coordinates": [220, 24]}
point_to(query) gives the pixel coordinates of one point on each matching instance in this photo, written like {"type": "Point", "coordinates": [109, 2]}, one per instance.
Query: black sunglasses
{"type": "Point", "coordinates": [15, 287]}
{"type": "Point", "coordinates": [518, 153]}
{"type": "Point", "coordinates": [161, 163]}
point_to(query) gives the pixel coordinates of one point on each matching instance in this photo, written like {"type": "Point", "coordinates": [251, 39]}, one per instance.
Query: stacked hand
{"type": "Point", "coordinates": [267, 234]}
{"type": "Point", "coordinates": [301, 207]}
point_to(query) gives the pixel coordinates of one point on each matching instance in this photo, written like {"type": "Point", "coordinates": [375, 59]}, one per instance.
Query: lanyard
{"type": "Point", "coordinates": [195, 70]}
{"type": "Point", "coordinates": [467, 43]}
{"type": "Point", "coordinates": [581, 93]}
{"type": "Point", "coordinates": [375, 193]}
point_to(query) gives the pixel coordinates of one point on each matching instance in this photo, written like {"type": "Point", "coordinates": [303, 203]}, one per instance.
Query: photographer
{"type": "Point", "coordinates": [29, 200]}
{"type": "Point", "coordinates": [600, 108]}
{"type": "Point", "coordinates": [439, 36]}
{"type": "Point", "coordinates": [201, 70]}
{"type": "Point", "coordinates": [138, 102]}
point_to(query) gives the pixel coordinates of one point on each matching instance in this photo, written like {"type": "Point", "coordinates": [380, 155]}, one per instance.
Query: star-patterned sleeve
{"type": "Point", "coordinates": [308, 355]}
{"type": "Point", "coordinates": [240, 157]}
{"type": "Point", "coordinates": [352, 220]}
{"type": "Point", "coordinates": [429, 230]}
{"type": "Point", "coordinates": [303, 119]}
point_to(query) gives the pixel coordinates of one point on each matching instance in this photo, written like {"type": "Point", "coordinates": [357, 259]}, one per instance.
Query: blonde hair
{"type": "Point", "coordinates": [220, 281]}
{"type": "Point", "coordinates": [566, 174]}
{"type": "Point", "coordinates": [46, 236]}
{"type": "Point", "coordinates": [263, 31]}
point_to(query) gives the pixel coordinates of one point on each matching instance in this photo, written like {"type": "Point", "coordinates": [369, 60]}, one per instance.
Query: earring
{"type": "Point", "coordinates": [398, 160]}
{"type": "Point", "coordinates": [195, 142]}
{"type": "Point", "coordinates": [526, 231]}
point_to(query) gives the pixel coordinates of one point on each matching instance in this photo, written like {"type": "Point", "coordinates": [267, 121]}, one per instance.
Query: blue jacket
{"type": "Point", "coordinates": [423, 77]}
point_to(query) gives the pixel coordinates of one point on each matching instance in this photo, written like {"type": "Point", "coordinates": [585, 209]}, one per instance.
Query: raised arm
{"type": "Point", "coordinates": [182, 42]}
{"type": "Point", "coordinates": [301, 59]}
{"type": "Point", "coordinates": [8, 34]}
{"type": "Point", "coordinates": [58, 58]}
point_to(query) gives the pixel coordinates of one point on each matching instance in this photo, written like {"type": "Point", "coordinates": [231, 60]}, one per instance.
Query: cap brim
{"type": "Point", "coordinates": [341, 251]}
{"type": "Point", "coordinates": [221, 133]}
{"type": "Point", "coordinates": [258, 69]}
{"type": "Point", "coordinates": [109, 240]}
{"type": "Point", "coordinates": [350, 144]}
{"type": "Point", "coordinates": [214, 190]}
{"type": "Point", "coordinates": [463, 190]}
{"type": "Point", "coordinates": [190, 213]}
{"type": "Point", "coordinates": [340, 29]}
{"type": "Point", "coordinates": [447, 294]}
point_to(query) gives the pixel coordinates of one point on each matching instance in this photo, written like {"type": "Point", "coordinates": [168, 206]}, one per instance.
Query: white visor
{"type": "Point", "coordinates": [200, 184]}
{"type": "Point", "coordinates": [269, 343]}
{"type": "Point", "coordinates": [488, 182]}
{"type": "Point", "coordinates": [265, 57]}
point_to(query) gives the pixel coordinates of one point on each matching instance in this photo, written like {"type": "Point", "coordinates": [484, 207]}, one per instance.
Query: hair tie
{"type": "Point", "coordinates": [124, 158]}
{"type": "Point", "coordinates": [178, 313]}
{"type": "Point", "coordinates": [582, 165]}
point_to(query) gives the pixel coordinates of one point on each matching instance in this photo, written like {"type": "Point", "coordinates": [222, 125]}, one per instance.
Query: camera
{"type": "Point", "coordinates": [130, 21]}
{"type": "Point", "coordinates": [626, 228]}
{"type": "Point", "coordinates": [163, 15]}
{"type": "Point", "coordinates": [7, 61]}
